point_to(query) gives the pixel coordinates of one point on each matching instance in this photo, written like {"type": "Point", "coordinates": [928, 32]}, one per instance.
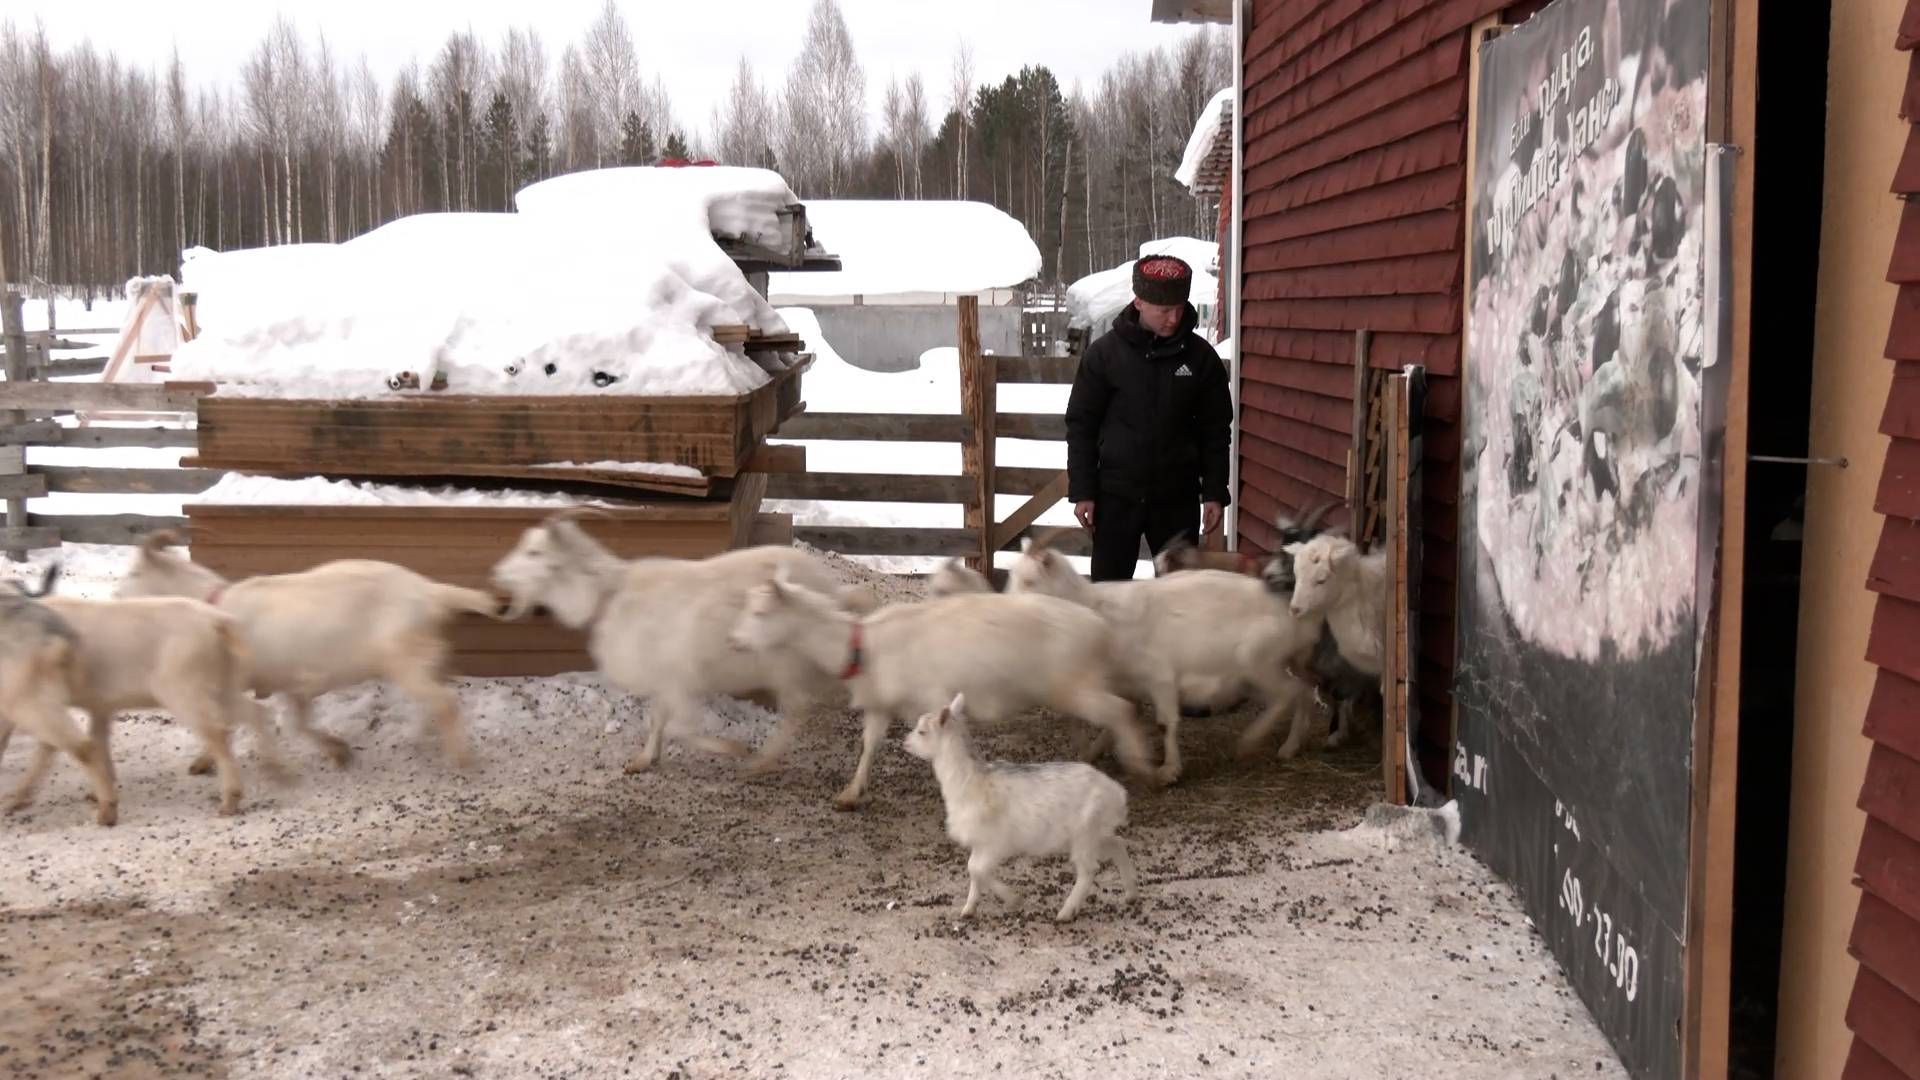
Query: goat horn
{"type": "Point", "coordinates": [157, 541]}
{"type": "Point", "coordinates": [1319, 514]}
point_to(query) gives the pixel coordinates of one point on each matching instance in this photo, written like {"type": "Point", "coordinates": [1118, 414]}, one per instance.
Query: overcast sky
{"type": "Point", "coordinates": [694, 46]}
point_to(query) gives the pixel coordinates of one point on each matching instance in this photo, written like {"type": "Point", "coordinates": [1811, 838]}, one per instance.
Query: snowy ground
{"type": "Point", "coordinates": [546, 915]}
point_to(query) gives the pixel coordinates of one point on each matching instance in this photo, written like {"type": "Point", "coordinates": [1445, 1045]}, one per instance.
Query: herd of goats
{"type": "Point", "coordinates": [1300, 627]}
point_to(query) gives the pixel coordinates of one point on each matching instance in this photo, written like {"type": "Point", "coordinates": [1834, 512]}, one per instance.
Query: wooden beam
{"type": "Point", "coordinates": [772, 529]}
{"type": "Point", "coordinates": [13, 460]}
{"type": "Point", "coordinates": [889, 540]}
{"type": "Point", "coordinates": [1017, 522]}
{"type": "Point", "coordinates": [13, 339]}
{"type": "Point", "coordinates": [28, 538]}
{"type": "Point", "coordinates": [79, 365]}
{"type": "Point", "coordinates": [1394, 683]}
{"type": "Point", "coordinates": [776, 459]}
{"type": "Point", "coordinates": [877, 427]}
{"type": "Point", "coordinates": [47, 433]}
{"type": "Point", "coordinates": [1357, 464]}
{"type": "Point", "coordinates": [73, 479]}
{"type": "Point", "coordinates": [22, 487]}
{"type": "Point", "coordinates": [1045, 426]}
{"type": "Point", "coordinates": [979, 400]}
{"type": "Point", "coordinates": [164, 397]}
{"type": "Point", "coordinates": [124, 529]}
{"type": "Point", "coordinates": [1019, 480]}
{"type": "Point", "coordinates": [870, 487]}
{"type": "Point", "coordinates": [1036, 369]}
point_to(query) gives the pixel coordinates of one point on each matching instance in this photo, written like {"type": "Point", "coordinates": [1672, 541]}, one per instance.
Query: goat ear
{"type": "Point", "coordinates": [958, 706]}
{"type": "Point", "coordinates": [1294, 549]}
{"type": "Point", "coordinates": [1026, 544]}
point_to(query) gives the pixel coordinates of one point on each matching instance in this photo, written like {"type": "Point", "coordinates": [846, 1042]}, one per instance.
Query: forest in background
{"type": "Point", "coordinates": [110, 170]}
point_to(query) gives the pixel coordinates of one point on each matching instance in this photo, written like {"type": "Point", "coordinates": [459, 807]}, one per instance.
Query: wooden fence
{"type": "Point", "coordinates": [28, 405]}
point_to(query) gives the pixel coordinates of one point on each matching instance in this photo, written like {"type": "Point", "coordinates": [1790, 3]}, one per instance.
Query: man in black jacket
{"type": "Point", "coordinates": [1149, 424]}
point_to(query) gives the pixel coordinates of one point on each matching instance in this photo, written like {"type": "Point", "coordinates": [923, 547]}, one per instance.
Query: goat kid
{"type": "Point", "coordinates": [1000, 811]}
{"type": "Point", "coordinates": [37, 665]}
{"type": "Point", "coordinates": [1181, 553]}
{"type": "Point", "coordinates": [955, 577]}
{"type": "Point", "coordinates": [330, 627]}
{"type": "Point", "coordinates": [659, 628]}
{"type": "Point", "coordinates": [1005, 653]}
{"type": "Point", "coordinates": [1199, 635]}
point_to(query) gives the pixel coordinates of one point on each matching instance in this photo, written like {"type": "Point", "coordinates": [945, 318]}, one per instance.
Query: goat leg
{"type": "Point", "coordinates": [875, 725]}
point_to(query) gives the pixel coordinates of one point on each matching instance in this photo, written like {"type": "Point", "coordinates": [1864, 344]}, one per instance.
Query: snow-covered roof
{"type": "Point", "coordinates": [607, 281]}
{"type": "Point", "coordinates": [1095, 299]}
{"type": "Point", "coordinates": [889, 246]}
{"type": "Point", "coordinates": [1209, 152]}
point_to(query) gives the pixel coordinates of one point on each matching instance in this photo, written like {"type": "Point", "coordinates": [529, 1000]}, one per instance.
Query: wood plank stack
{"type": "Point", "coordinates": [682, 476]}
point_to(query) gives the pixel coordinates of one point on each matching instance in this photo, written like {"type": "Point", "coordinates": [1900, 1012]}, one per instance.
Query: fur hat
{"type": "Point", "coordinates": [1162, 279]}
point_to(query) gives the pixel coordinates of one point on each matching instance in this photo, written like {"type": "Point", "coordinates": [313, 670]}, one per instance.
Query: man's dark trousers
{"type": "Point", "coordinates": [1119, 523]}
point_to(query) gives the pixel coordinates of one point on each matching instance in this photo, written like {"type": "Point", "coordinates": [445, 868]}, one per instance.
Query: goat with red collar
{"type": "Point", "coordinates": [1007, 654]}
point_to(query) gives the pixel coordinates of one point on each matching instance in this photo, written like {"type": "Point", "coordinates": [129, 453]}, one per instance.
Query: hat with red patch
{"type": "Point", "coordinates": [1163, 280]}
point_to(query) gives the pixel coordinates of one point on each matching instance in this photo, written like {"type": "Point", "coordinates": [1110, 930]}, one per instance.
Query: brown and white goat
{"type": "Point", "coordinates": [336, 625]}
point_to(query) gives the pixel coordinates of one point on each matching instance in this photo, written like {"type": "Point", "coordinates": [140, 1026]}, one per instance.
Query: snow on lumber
{"type": "Point", "coordinates": [1206, 131]}
{"type": "Point", "coordinates": [604, 282]}
{"type": "Point", "coordinates": [889, 247]}
{"type": "Point", "coordinates": [239, 489]}
{"type": "Point", "coordinates": [1094, 300]}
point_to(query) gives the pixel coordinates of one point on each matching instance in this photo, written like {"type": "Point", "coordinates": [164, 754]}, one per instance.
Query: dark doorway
{"type": "Point", "coordinates": [1790, 118]}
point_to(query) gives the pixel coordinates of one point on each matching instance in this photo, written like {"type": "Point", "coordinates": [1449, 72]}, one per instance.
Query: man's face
{"type": "Point", "coordinates": [1162, 319]}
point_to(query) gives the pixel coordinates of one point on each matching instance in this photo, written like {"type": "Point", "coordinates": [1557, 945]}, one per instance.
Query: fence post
{"type": "Point", "coordinates": [978, 403]}
{"type": "Point", "coordinates": [18, 371]}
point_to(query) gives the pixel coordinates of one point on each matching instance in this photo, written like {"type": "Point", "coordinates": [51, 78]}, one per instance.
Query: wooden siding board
{"type": "Point", "coordinates": [1899, 494]}
{"type": "Point", "coordinates": [1889, 866]}
{"type": "Point", "coordinates": [1405, 276]}
{"type": "Point", "coordinates": [1416, 234]}
{"type": "Point", "coordinates": [1903, 337]}
{"type": "Point", "coordinates": [1894, 640]}
{"type": "Point", "coordinates": [1389, 352]}
{"type": "Point", "coordinates": [1901, 418]}
{"type": "Point", "coordinates": [1440, 189]}
{"type": "Point", "coordinates": [1893, 713]}
{"type": "Point", "coordinates": [1906, 178]}
{"type": "Point", "coordinates": [1896, 561]}
{"type": "Point", "coordinates": [1887, 940]}
{"type": "Point", "coordinates": [1406, 51]}
{"type": "Point", "coordinates": [1263, 305]}
{"type": "Point", "coordinates": [1887, 1020]}
{"type": "Point", "coordinates": [1891, 791]}
{"type": "Point", "coordinates": [1444, 105]}
{"type": "Point", "coordinates": [1864, 1064]}
{"type": "Point", "coordinates": [1904, 268]}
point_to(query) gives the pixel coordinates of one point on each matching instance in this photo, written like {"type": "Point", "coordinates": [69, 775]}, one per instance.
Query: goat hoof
{"type": "Point", "coordinates": [202, 766]}
{"type": "Point", "coordinates": [1167, 775]}
{"type": "Point", "coordinates": [847, 800]}
{"type": "Point", "coordinates": [339, 753]}
{"type": "Point", "coordinates": [1247, 749]}
{"type": "Point", "coordinates": [1288, 751]}
{"type": "Point", "coordinates": [229, 807]}
{"type": "Point", "coordinates": [638, 763]}
{"type": "Point", "coordinates": [107, 815]}
{"type": "Point", "coordinates": [1065, 916]}
{"type": "Point", "coordinates": [760, 767]}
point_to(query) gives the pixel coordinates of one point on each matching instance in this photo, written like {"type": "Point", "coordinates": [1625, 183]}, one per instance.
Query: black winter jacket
{"type": "Point", "coordinates": [1149, 417]}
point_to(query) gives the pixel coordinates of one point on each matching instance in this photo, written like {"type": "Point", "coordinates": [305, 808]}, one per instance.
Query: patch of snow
{"type": "Point", "coordinates": [912, 246]}
{"type": "Point", "coordinates": [1205, 131]}
{"type": "Point", "coordinates": [239, 489]}
{"type": "Point", "coordinates": [641, 468]}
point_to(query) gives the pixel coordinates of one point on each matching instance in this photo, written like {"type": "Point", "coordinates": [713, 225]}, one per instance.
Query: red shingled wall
{"type": "Point", "coordinates": [1355, 172]}
{"type": "Point", "coordinates": [1884, 1011]}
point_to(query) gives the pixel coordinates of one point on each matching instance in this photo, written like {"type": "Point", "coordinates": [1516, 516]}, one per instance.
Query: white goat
{"type": "Point", "coordinates": [169, 653]}
{"type": "Point", "coordinates": [1334, 581]}
{"type": "Point", "coordinates": [336, 625]}
{"type": "Point", "coordinates": [37, 666]}
{"type": "Point", "coordinates": [955, 577]}
{"type": "Point", "coordinates": [1006, 653]}
{"type": "Point", "coordinates": [1001, 811]}
{"type": "Point", "coordinates": [659, 627]}
{"type": "Point", "coordinates": [1197, 635]}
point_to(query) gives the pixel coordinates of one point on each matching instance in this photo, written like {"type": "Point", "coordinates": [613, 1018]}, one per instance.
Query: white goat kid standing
{"type": "Point", "coordinates": [1005, 653]}
{"type": "Point", "coordinates": [38, 664]}
{"type": "Point", "coordinates": [1334, 581]}
{"type": "Point", "coordinates": [1002, 811]}
{"type": "Point", "coordinates": [336, 625]}
{"type": "Point", "coordinates": [658, 628]}
{"type": "Point", "coordinates": [1197, 635]}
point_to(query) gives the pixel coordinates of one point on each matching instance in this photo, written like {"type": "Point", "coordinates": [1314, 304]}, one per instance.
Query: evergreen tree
{"type": "Point", "coordinates": [676, 147]}
{"type": "Point", "coordinates": [636, 142]}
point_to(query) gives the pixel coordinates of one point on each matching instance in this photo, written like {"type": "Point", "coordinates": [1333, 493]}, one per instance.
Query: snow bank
{"type": "Point", "coordinates": [1205, 131]}
{"type": "Point", "coordinates": [912, 246]}
{"type": "Point", "coordinates": [608, 281]}
{"type": "Point", "coordinates": [1094, 300]}
{"type": "Point", "coordinates": [239, 489]}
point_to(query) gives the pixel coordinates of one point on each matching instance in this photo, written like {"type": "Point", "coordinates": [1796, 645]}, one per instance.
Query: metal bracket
{"type": "Point", "coordinates": [1839, 461]}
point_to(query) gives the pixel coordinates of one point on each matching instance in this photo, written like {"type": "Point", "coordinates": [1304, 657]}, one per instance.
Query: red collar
{"type": "Point", "coordinates": [854, 652]}
{"type": "Point", "coordinates": [213, 598]}
{"type": "Point", "coordinates": [1248, 562]}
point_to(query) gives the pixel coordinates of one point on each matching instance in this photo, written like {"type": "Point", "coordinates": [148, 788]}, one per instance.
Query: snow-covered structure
{"type": "Point", "coordinates": [607, 281]}
{"type": "Point", "coordinates": [1094, 300]}
{"type": "Point", "coordinates": [1209, 155]}
{"type": "Point", "coordinates": [903, 264]}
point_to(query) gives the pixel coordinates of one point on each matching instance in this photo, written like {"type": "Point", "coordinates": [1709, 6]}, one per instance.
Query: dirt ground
{"type": "Point", "coordinates": [545, 915]}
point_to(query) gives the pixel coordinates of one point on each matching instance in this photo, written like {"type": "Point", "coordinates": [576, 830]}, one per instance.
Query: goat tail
{"type": "Point", "coordinates": [859, 599]}
{"type": "Point", "coordinates": [456, 598]}
{"type": "Point", "coordinates": [157, 541]}
{"type": "Point", "coordinates": [237, 679]}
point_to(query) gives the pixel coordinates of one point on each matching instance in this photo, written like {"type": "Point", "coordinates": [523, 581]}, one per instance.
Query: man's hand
{"type": "Point", "coordinates": [1084, 511]}
{"type": "Point", "coordinates": [1209, 517]}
